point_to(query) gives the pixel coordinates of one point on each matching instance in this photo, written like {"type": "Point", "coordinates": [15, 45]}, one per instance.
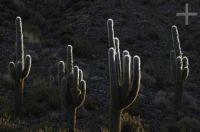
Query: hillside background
{"type": "Point", "coordinates": [143, 27]}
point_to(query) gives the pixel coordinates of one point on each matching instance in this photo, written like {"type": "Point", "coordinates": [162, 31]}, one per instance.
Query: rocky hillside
{"type": "Point", "coordinates": [143, 27]}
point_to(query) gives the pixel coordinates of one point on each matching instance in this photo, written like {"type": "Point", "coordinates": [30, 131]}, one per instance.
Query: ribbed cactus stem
{"type": "Point", "coordinates": [19, 41]}
{"type": "Point", "coordinates": [73, 86]}
{"type": "Point", "coordinates": [69, 62]}
{"type": "Point", "coordinates": [179, 68]}
{"type": "Point", "coordinates": [61, 71]}
{"type": "Point", "coordinates": [19, 70]}
{"type": "Point", "coordinates": [110, 27]}
{"type": "Point", "coordinates": [176, 41]}
{"type": "Point", "coordinates": [124, 79]}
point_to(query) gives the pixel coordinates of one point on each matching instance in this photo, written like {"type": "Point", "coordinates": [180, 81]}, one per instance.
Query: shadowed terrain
{"type": "Point", "coordinates": [143, 27]}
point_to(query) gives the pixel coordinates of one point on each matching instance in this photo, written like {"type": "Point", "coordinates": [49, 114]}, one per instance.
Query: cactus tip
{"type": "Point", "coordinates": [110, 21]}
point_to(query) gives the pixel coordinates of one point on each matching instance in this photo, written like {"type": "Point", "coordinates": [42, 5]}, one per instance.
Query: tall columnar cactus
{"type": "Point", "coordinates": [73, 86]}
{"type": "Point", "coordinates": [179, 67]}
{"type": "Point", "coordinates": [19, 70]}
{"type": "Point", "coordinates": [125, 78]}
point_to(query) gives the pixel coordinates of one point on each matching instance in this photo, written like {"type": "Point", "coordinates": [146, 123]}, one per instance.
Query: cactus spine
{"type": "Point", "coordinates": [125, 78]}
{"type": "Point", "coordinates": [179, 67]}
{"type": "Point", "coordinates": [19, 70]}
{"type": "Point", "coordinates": [73, 86]}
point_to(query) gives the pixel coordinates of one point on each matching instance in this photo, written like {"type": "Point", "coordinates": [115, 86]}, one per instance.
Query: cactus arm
{"type": "Point", "coordinates": [116, 42]}
{"type": "Point", "coordinates": [76, 79]}
{"type": "Point", "coordinates": [135, 85]}
{"type": "Point", "coordinates": [114, 89]}
{"type": "Point", "coordinates": [179, 69]}
{"type": "Point", "coordinates": [69, 62]}
{"type": "Point", "coordinates": [63, 84]}
{"type": "Point", "coordinates": [61, 72]}
{"type": "Point", "coordinates": [185, 73]}
{"type": "Point", "coordinates": [12, 70]}
{"type": "Point", "coordinates": [68, 88]}
{"type": "Point", "coordinates": [110, 27]}
{"type": "Point", "coordinates": [83, 93]}
{"type": "Point", "coordinates": [185, 70]}
{"type": "Point", "coordinates": [61, 67]}
{"type": "Point", "coordinates": [19, 41]}
{"type": "Point", "coordinates": [118, 61]}
{"type": "Point", "coordinates": [80, 75]}
{"type": "Point", "coordinates": [75, 91]}
{"type": "Point", "coordinates": [176, 41]}
{"type": "Point", "coordinates": [126, 79]}
{"type": "Point", "coordinates": [27, 66]}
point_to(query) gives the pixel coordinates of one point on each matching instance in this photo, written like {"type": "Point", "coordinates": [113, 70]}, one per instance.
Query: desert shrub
{"type": "Point", "coordinates": [186, 124]}
{"type": "Point", "coordinates": [32, 33]}
{"type": "Point", "coordinates": [104, 130]}
{"type": "Point", "coordinates": [135, 108]}
{"type": "Point", "coordinates": [7, 81]}
{"type": "Point", "coordinates": [7, 125]}
{"type": "Point", "coordinates": [42, 97]}
{"type": "Point", "coordinates": [163, 100]}
{"type": "Point", "coordinates": [131, 123]}
{"type": "Point", "coordinates": [50, 129]}
{"type": "Point", "coordinates": [5, 105]}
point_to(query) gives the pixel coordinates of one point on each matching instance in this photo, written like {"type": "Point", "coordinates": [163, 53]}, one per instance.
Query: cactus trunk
{"type": "Point", "coordinates": [19, 95]}
{"type": "Point", "coordinates": [115, 119]}
{"type": "Point", "coordinates": [72, 118]}
{"type": "Point", "coordinates": [178, 95]}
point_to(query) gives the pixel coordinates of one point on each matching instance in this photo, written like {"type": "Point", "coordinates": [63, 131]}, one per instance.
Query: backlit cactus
{"type": "Point", "coordinates": [125, 76]}
{"type": "Point", "coordinates": [19, 70]}
{"type": "Point", "coordinates": [73, 86]}
{"type": "Point", "coordinates": [179, 67]}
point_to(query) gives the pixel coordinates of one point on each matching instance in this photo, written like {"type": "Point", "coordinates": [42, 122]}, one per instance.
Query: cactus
{"type": "Point", "coordinates": [19, 70]}
{"type": "Point", "coordinates": [179, 67]}
{"type": "Point", "coordinates": [73, 86]}
{"type": "Point", "coordinates": [124, 79]}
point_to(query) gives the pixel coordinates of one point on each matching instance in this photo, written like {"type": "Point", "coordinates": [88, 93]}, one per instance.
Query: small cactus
{"type": "Point", "coordinates": [179, 67]}
{"type": "Point", "coordinates": [19, 70]}
{"type": "Point", "coordinates": [125, 79]}
{"type": "Point", "coordinates": [73, 86]}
